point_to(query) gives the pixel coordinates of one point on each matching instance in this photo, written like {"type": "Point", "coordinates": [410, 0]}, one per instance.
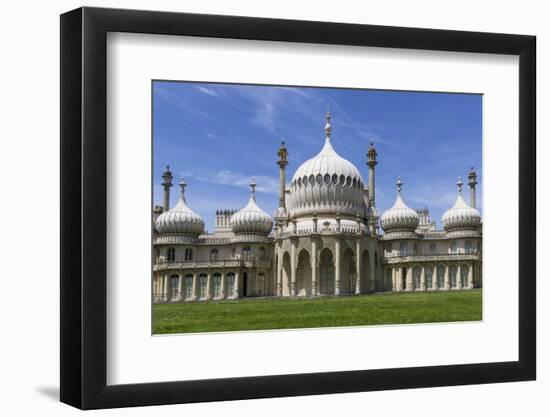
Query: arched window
{"type": "Point", "coordinates": [214, 254]}
{"type": "Point", "coordinates": [171, 254]}
{"type": "Point", "coordinates": [432, 247]}
{"type": "Point", "coordinates": [188, 254]}
{"type": "Point", "coordinates": [174, 286]}
{"type": "Point", "coordinates": [464, 275]}
{"type": "Point", "coordinates": [468, 246]}
{"type": "Point", "coordinates": [403, 248]}
{"type": "Point", "coordinates": [428, 272]}
{"type": "Point", "coordinates": [389, 247]}
{"type": "Point", "coordinates": [261, 284]}
{"type": "Point", "coordinates": [452, 275]}
{"type": "Point", "coordinates": [453, 247]}
{"type": "Point", "coordinates": [216, 285]}
{"type": "Point", "coordinates": [230, 284]}
{"type": "Point", "coordinates": [203, 283]}
{"type": "Point", "coordinates": [188, 287]}
{"type": "Point", "coordinates": [416, 277]}
{"type": "Point", "coordinates": [440, 276]}
{"type": "Point", "coordinates": [234, 252]}
{"type": "Point", "coordinates": [262, 252]}
{"type": "Point", "coordinates": [246, 252]}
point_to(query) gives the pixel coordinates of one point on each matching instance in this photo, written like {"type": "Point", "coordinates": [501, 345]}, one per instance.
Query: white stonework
{"type": "Point", "coordinates": [326, 240]}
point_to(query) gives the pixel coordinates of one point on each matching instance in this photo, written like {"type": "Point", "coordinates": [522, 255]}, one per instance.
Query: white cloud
{"type": "Point", "coordinates": [264, 183]}
{"type": "Point", "coordinates": [264, 116]}
{"type": "Point", "coordinates": [208, 91]}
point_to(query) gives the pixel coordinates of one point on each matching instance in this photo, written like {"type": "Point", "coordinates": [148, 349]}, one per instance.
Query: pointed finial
{"type": "Point", "coordinates": [182, 185]}
{"type": "Point", "coordinates": [253, 188]}
{"type": "Point", "coordinates": [459, 184]}
{"type": "Point", "coordinates": [399, 184]}
{"type": "Point", "coordinates": [328, 127]}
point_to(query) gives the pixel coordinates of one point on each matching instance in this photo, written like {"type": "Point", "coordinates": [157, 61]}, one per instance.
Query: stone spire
{"type": "Point", "coordinates": [328, 127]}
{"type": "Point", "coordinates": [167, 184]}
{"type": "Point", "coordinates": [253, 189]}
{"type": "Point", "coordinates": [182, 185]}
{"type": "Point", "coordinates": [371, 163]}
{"type": "Point", "coordinates": [459, 185]}
{"type": "Point", "coordinates": [282, 162]}
{"type": "Point", "coordinates": [472, 182]}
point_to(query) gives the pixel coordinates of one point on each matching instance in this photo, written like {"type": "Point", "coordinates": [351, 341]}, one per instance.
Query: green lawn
{"type": "Point", "coordinates": [286, 313]}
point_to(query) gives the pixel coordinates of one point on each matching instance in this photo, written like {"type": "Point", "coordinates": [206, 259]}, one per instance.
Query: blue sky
{"type": "Point", "coordinates": [219, 136]}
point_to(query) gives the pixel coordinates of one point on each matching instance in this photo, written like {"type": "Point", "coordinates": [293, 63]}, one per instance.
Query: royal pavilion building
{"type": "Point", "coordinates": [325, 239]}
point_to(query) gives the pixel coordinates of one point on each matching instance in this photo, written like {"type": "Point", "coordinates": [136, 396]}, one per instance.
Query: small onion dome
{"type": "Point", "coordinates": [461, 216]}
{"type": "Point", "coordinates": [180, 219]}
{"type": "Point", "coordinates": [400, 219]}
{"type": "Point", "coordinates": [251, 219]}
{"type": "Point", "coordinates": [327, 183]}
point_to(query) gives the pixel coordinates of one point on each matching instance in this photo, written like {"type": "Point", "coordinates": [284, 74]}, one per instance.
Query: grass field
{"type": "Point", "coordinates": [287, 313]}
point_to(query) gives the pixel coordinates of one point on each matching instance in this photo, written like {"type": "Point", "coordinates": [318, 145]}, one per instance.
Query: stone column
{"type": "Point", "coordinates": [337, 268]}
{"type": "Point", "coordinates": [293, 268]}
{"type": "Point", "coordinates": [409, 278]}
{"type": "Point", "coordinates": [446, 283]}
{"type": "Point", "coordinates": [280, 274]}
{"type": "Point", "coordinates": [358, 266]}
{"type": "Point", "coordinates": [236, 288]}
{"type": "Point", "coordinates": [208, 285]}
{"type": "Point", "coordinates": [434, 278]}
{"type": "Point", "coordinates": [399, 278]}
{"type": "Point", "coordinates": [393, 279]}
{"type": "Point", "coordinates": [470, 276]}
{"type": "Point", "coordinates": [194, 285]}
{"type": "Point", "coordinates": [423, 279]}
{"type": "Point", "coordinates": [166, 283]}
{"type": "Point", "coordinates": [313, 267]}
{"type": "Point", "coordinates": [372, 272]}
{"type": "Point", "coordinates": [458, 277]}
{"type": "Point", "coordinates": [222, 286]}
{"type": "Point", "coordinates": [180, 286]}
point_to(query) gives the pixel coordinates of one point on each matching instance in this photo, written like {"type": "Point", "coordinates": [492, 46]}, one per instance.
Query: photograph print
{"type": "Point", "coordinates": [293, 207]}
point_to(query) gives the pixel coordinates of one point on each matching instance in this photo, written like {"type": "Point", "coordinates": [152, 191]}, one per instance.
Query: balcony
{"type": "Point", "coordinates": [237, 262]}
{"type": "Point", "coordinates": [427, 256]}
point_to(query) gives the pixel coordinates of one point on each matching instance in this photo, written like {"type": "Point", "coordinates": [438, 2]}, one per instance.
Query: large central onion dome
{"type": "Point", "coordinates": [461, 219]}
{"type": "Point", "coordinates": [180, 219]}
{"type": "Point", "coordinates": [400, 220]}
{"type": "Point", "coordinates": [251, 219]}
{"type": "Point", "coordinates": [327, 183]}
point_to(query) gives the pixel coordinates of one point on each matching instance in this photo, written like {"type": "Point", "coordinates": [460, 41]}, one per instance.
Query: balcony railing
{"type": "Point", "coordinates": [238, 261]}
{"type": "Point", "coordinates": [431, 253]}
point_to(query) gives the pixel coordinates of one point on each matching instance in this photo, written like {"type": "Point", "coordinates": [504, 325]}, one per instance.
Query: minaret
{"type": "Point", "coordinates": [282, 162]}
{"type": "Point", "coordinates": [371, 163]}
{"type": "Point", "coordinates": [166, 184]}
{"type": "Point", "coordinates": [472, 182]}
{"type": "Point", "coordinates": [459, 185]}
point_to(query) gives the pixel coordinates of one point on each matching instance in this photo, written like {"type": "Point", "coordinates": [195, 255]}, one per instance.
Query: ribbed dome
{"type": "Point", "coordinates": [461, 216]}
{"type": "Point", "coordinates": [251, 219]}
{"type": "Point", "coordinates": [180, 219]}
{"type": "Point", "coordinates": [400, 219]}
{"type": "Point", "coordinates": [327, 183]}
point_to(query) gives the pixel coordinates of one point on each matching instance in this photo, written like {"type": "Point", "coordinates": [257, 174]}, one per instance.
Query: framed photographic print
{"type": "Point", "coordinates": [258, 208]}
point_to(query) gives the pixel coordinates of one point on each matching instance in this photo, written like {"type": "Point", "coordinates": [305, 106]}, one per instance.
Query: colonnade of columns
{"type": "Point", "coordinates": [402, 276]}
{"type": "Point", "coordinates": [164, 291]}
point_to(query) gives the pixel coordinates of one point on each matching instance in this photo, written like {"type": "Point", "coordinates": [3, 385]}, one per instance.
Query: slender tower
{"type": "Point", "coordinates": [166, 184]}
{"type": "Point", "coordinates": [282, 162]}
{"type": "Point", "coordinates": [472, 182]}
{"type": "Point", "coordinates": [371, 163]}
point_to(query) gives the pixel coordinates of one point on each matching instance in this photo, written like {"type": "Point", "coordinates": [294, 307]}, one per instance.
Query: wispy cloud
{"type": "Point", "coordinates": [265, 184]}
{"type": "Point", "coordinates": [208, 91]}
{"type": "Point", "coordinates": [264, 116]}
{"type": "Point", "coordinates": [180, 102]}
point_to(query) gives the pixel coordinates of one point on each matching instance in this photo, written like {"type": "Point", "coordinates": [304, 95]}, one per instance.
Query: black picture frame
{"type": "Point", "coordinates": [84, 207]}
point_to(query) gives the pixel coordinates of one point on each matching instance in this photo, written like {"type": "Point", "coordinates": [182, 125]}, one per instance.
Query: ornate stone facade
{"type": "Point", "coordinates": [325, 240]}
